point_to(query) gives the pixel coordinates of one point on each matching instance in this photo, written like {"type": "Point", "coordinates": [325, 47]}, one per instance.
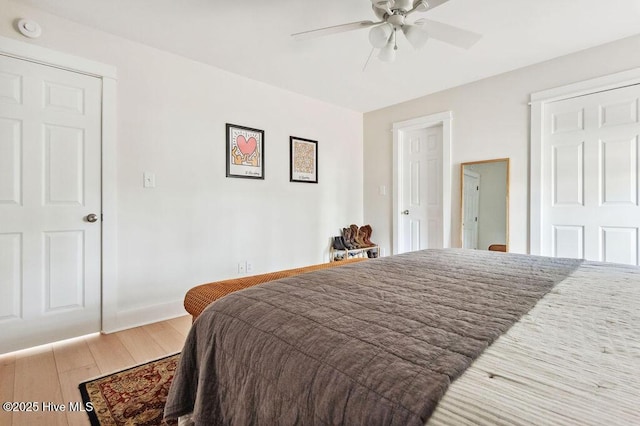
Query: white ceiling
{"type": "Point", "coordinates": [252, 38]}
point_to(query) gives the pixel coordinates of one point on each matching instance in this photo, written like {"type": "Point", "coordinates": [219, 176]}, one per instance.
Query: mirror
{"type": "Point", "coordinates": [485, 204]}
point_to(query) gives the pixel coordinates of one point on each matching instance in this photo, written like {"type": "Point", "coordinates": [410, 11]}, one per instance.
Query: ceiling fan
{"type": "Point", "coordinates": [392, 15]}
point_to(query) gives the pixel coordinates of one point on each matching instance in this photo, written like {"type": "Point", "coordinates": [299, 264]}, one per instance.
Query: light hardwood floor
{"type": "Point", "coordinates": [52, 373]}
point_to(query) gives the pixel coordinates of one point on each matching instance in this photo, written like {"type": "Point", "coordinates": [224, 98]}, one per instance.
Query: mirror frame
{"type": "Point", "coordinates": [495, 160]}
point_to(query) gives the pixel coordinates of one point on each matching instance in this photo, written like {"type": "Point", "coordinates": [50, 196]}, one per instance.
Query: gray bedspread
{"type": "Point", "coordinates": [376, 342]}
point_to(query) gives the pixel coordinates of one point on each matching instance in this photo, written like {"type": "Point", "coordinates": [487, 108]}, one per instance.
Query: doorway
{"type": "Point", "coordinates": [585, 170]}
{"type": "Point", "coordinates": [422, 183]}
{"type": "Point", "coordinates": [471, 208]}
{"type": "Point", "coordinates": [57, 118]}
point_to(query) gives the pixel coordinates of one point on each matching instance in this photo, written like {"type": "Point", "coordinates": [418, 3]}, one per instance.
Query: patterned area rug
{"type": "Point", "coordinates": [135, 396]}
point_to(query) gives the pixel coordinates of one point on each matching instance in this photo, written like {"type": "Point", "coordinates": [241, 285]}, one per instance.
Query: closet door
{"type": "Point", "coordinates": [590, 177]}
{"type": "Point", "coordinates": [50, 204]}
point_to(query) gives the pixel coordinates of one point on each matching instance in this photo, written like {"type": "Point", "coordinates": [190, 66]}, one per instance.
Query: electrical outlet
{"type": "Point", "coordinates": [242, 267]}
{"type": "Point", "coordinates": [249, 266]}
{"type": "Point", "coordinates": [383, 252]}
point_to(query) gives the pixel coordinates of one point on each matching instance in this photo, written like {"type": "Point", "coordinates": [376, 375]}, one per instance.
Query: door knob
{"type": "Point", "coordinates": [92, 218]}
{"type": "Point", "coordinates": [405, 212]}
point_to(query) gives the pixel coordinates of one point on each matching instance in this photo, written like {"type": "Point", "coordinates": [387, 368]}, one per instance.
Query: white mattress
{"type": "Point", "coordinates": [573, 360]}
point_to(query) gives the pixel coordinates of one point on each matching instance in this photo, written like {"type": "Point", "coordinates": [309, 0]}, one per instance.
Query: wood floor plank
{"type": "Point", "coordinates": [73, 354]}
{"type": "Point", "coordinates": [109, 353]}
{"type": "Point", "coordinates": [7, 376]}
{"type": "Point", "coordinates": [167, 337]}
{"type": "Point", "coordinates": [140, 345]}
{"type": "Point", "coordinates": [69, 381]}
{"type": "Point", "coordinates": [181, 324]}
{"type": "Point", "coordinates": [37, 381]}
{"type": "Point", "coordinates": [52, 373]}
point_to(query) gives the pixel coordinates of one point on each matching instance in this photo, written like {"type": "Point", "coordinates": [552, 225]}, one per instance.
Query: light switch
{"type": "Point", "coordinates": [149, 180]}
{"type": "Point", "coordinates": [382, 190]}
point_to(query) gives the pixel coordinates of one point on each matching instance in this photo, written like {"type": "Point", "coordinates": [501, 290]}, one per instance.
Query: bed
{"type": "Point", "coordinates": [444, 337]}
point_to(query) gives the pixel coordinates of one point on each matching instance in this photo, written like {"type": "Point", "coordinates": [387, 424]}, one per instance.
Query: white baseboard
{"type": "Point", "coordinates": [147, 315]}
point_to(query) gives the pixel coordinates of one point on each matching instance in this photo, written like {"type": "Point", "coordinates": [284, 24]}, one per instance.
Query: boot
{"type": "Point", "coordinates": [346, 236]}
{"type": "Point", "coordinates": [360, 238]}
{"type": "Point", "coordinates": [347, 245]}
{"type": "Point", "coordinates": [367, 238]}
{"type": "Point", "coordinates": [364, 235]}
{"type": "Point", "coordinates": [337, 244]}
{"type": "Point", "coordinates": [354, 236]}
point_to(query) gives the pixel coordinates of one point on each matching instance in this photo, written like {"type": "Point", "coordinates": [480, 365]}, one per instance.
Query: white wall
{"type": "Point", "coordinates": [196, 225]}
{"type": "Point", "coordinates": [490, 120]}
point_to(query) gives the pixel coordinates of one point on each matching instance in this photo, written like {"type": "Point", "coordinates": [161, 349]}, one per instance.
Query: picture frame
{"type": "Point", "coordinates": [245, 152]}
{"type": "Point", "coordinates": [303, 160]}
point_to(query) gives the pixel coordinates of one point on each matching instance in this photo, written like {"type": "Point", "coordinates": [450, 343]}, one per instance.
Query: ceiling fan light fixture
{"type": "Point", "coordinates": [379, 35]}
{"type": "Point", "coordinates": [392, 16]}
{"type": "Point", "coordinates": [416, 35]}
{"type": "Point", "coordinates": [388, 53]}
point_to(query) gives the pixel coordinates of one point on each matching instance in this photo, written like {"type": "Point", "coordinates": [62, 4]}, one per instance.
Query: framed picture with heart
{"type": "Point", "coordinates": [245, 152]}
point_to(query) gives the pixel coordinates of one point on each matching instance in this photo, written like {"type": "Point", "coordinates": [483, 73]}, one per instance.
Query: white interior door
{"type": "Point", "coordinates": [590, 177]}
{"type": "Point", "coordinates": [471, 201]}
{"type": "Point", "coordinates": [49, 184]}
{"type": "Point", "coordinates": [421, 199]}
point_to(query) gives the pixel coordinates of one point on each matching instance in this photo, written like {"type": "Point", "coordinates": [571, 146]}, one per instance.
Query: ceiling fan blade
{"type": "Point", "coordinates": [305, 35]}
{"type": "Point", "coordinates": [432, 4]}
{"type": "Point", "coordinates": [425, 5]}
{"type": "Point", "coordinates": [449, 34]}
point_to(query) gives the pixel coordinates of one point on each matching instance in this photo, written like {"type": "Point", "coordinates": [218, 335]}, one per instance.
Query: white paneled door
{"type": "Point", "coordinates": [590, 177]}
{"type": "Point", "coordinates": [49, 189]}
{"type": "Point", "coordinates": [471, 204]}
{"type": "Point", "coordinates": [421, 200]}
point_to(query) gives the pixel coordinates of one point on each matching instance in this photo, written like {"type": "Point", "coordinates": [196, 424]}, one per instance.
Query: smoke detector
{"type": "Point", "coordinates": [29, 28]}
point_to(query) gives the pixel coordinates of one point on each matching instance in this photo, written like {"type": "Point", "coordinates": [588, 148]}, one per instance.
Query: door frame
{"type": "Point", "coordinates": [538, 102]}
{"type": "Point", "coordinates": [443, 119]}
{"type": "Point", "coordinates": [107, 73]}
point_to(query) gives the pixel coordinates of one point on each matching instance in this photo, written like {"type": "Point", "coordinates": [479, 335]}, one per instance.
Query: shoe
{"type": "Point", "coordinates": [360, 238]}
{"type": "Point", "coordinates": [337, 244]}
{"type": "Point", "coordinates": [354, 236]}
{"type": "Point", "coordinates": [364, 235]}
{"type": "Point", "coordinates": [367, 238]}
{"type": "Point", "coordinates": [346, 235]}
{"type": "Point", "coordinates": [345, 243]}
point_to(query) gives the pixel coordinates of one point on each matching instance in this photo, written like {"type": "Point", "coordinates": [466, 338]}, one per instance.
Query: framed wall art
{"type": "Point", "coordinates": [245, 152]}
{"type": "Point", "coordinates": [303, 160]}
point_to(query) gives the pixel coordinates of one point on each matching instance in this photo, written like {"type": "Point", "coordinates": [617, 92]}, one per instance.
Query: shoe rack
{"type": "Point", "coordinates": [336, 255]}
{"type": "Point", "coordinates": [353, 242]}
